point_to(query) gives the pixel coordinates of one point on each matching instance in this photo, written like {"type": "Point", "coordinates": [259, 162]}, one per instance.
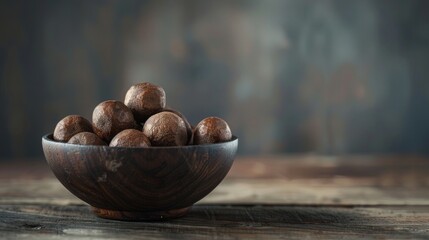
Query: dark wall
{"type": "Point", "coordinates": [329, 77]}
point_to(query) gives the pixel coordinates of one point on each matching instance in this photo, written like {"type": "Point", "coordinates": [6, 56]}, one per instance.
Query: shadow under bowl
{"type": "Point", "coordinates": [137, 184]}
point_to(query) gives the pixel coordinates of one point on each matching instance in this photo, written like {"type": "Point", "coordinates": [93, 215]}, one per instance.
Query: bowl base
{"type": "Point", "coordinates": [140, 216]}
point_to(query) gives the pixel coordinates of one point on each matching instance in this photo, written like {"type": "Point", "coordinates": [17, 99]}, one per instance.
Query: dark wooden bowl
{"type": "Point", "coordinates": [139, 183]}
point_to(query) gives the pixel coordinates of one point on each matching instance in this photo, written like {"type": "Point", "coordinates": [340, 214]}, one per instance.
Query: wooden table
{"type": "Point", "coordinates": [286, 197]}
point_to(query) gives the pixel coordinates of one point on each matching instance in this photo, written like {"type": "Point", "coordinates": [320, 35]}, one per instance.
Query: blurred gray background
{"type": "Point", "coordinates": [326, 77]}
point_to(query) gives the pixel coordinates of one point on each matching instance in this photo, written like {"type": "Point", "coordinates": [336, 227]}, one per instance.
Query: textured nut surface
{"type": "Point", "coordinates": [212, 130]}
{"type": "Point", "coordinates": [145, 99]}
{"type": "Point", "coordinates": [166, 129]}
{"type": "Point", "coordinates": [70, 126]}
{"type": "Point", "coordinates": [188, 126]}
{"type": "Point", "coordinates": [130, 138]}
{"type": "Point", "coordinates": [111, 117]}
{"type": "Point", "coordinates": [86, 138]}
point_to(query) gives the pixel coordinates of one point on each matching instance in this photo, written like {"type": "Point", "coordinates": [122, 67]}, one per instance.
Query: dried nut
{"type": "Point", "coordinates": [130, 138]}
{"type": "Point", "coordinates": [188, 126]}
{"type": "Point", "coordinates": [111, 117]}
{"type": "Point", "coordinates": [145, 99]}
{"type": "Point", "coordinates": [70, 126]}
{"type": "Point", "coordinates": [212, 130]}
{"type": "Point", "coordinates": [166, 129]}
{"type": "Point", "coordinates": [86, 138]}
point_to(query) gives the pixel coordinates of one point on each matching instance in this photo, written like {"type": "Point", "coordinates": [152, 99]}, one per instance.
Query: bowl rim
{"type": "Point", "coordinates": [49, 138]}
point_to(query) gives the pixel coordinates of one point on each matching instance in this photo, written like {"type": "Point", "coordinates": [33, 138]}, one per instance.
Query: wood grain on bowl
{"type": "Point", "coordinates": [140, 180]}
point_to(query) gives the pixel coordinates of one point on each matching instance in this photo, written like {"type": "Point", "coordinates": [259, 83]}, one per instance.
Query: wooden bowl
{"type": "Point", "coordinates": [139, 183]}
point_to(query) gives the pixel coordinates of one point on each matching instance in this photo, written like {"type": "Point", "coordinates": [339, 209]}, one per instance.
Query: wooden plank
{"type": "Point", "coordinates": [262, 198]}
{"type": "Point", "coordinates": [220, 222]}
{"type": "Point", "coordinates": [315, 166]}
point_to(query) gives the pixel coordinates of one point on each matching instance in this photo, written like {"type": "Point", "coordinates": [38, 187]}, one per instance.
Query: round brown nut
{"type": "Point", "coordinates": [212, 130]}
{"type": "Point", "coordinates": [166, 129]}
{"type": "Point", "coordinates": [188, 126]}
{"type": "Point", "coordinates": [130, 138]}
{"type": "Point", "coordinates": [86, 138]}
{"type": "Point", "coordinates": [111, 117]}
{"type": "Point", "coordinates": [70, 126]}
{"type": "Point", "coordinates": [145, 99]}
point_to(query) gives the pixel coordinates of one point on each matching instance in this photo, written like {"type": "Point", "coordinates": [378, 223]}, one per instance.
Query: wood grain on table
{"type": "Point", "coordinates": [273, 197]}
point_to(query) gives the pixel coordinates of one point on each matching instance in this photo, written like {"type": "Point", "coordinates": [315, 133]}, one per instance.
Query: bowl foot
{"type": "Point", "coordinates": [140, 216]}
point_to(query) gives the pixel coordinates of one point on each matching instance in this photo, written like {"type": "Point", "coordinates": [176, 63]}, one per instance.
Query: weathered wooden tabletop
{"type": "Point", "coordinates": [287, 197]}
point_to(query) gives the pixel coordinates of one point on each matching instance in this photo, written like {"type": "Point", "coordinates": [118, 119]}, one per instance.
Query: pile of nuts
{"type": "Point", "coordinates": [142, 120]}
